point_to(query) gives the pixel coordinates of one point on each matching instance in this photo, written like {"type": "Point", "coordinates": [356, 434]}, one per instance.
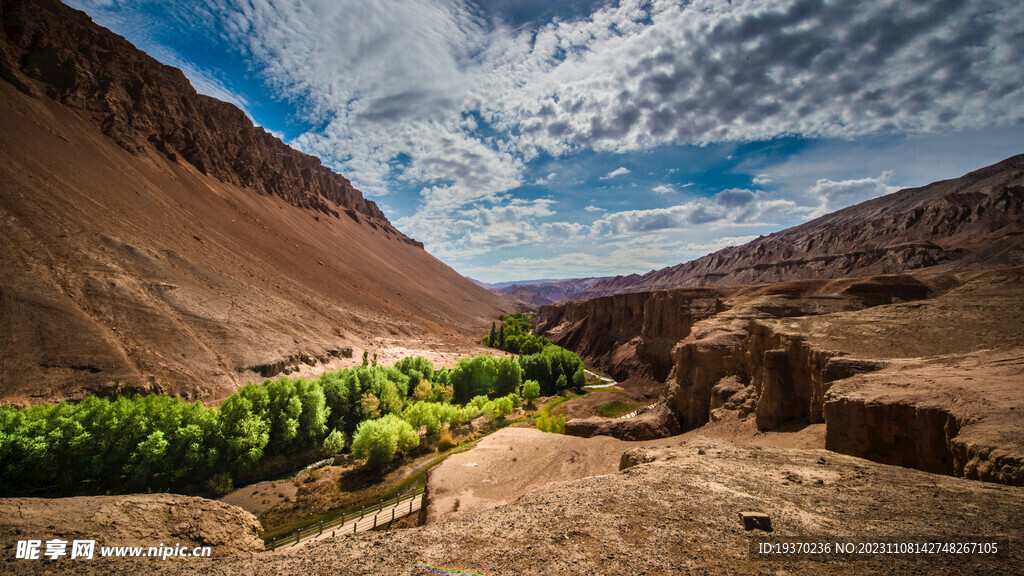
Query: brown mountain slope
{"type": "Point", "coordinates": [127, 262]}
{"type": "Point", "coordinates": [972, 222]}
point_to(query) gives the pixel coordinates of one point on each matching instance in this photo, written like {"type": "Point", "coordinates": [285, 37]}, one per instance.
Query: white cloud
{"type": "Point", "coordinates": [562, 230]}
{"type": "Point", "coordinates": [761, 180]}
{"type": "Point", "coordinates": [732, 206]}
{"type": "Point", "coordinates": [835, 195]}
{"type": "Point", "coordinates": [620, 171]}
{"type": "Point", "coordinates": [592, 208]}
{"type": "Point", "coordinates": [630, 257]}
{"type": "Point", "coordinates": [545, 180]}
{"type": "Point", "coordinates": [663, 189]}
{"type": "Point", "coordinates": [470, 103]}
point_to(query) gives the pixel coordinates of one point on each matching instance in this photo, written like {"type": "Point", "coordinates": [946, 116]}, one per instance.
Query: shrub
{"type": "Point", "coordinates": [549, 423]}
{"type": "Point", "coordinates": [220, 484]}
{"type": "Point", "coordinates": [422, 391]}
{"type": "Point", "coordinates": [499, 408]}
{"type": "Point", "coordinates": [442, 393]}
{"type": "Point", "coordinates": [370, 406]}
{"type": "Point", "coordinates": [445, 441]}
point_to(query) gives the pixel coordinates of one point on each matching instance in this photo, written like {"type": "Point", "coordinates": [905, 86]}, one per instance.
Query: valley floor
{"type": "Point", "coordinates": [677, 514]}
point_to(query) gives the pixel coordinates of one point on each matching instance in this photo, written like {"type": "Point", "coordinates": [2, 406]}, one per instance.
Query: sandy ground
{"type": "Point", "coordinates": [512, 462]}
{"type": "Point", "coordinates": [516, 461]}
{"type": "Point", "coordinates": [678, 514]}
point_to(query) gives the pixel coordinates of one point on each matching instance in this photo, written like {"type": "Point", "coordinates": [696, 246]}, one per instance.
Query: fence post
{"type": "Point", "coordinates": [374, 520]}
{"type": "Point", "coordinates": [362, 512]}
{"type": "Point", "coordinates": [298, 534]}
{"type": "Point", "coordinates": [273, 544]}
{"type": "Point", "coordinates": [355, 525]}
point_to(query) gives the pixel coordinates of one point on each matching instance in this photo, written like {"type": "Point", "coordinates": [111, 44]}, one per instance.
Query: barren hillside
{"type": "Point", "coordinates": [153, 236]}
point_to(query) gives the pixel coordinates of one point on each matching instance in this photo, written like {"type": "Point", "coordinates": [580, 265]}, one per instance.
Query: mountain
{"type": "Point", "coordinates": [543, 292]}
{"type": "Point", "coordinates": [155, 237]}
{"type": "Point", "coordinates": [971, 222]}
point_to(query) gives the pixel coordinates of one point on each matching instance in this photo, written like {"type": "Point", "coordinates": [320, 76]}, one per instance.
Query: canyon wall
{"type": "Point", "coordinates": [900, 371]}
{"type": "Point", "coordinates": [629, 335]}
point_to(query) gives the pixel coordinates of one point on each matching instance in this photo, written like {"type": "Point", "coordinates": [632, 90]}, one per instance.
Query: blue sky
{"type": "Point", "coordinates": [568, 138]}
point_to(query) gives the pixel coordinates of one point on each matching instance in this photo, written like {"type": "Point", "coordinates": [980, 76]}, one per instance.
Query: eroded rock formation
{"type": "Point", "coordinates": [920, 374]}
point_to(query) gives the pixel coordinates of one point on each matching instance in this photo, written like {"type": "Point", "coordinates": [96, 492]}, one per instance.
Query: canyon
{"type": "Point", "coordinates": [859, 377]}
{"type": "Point", "coordinates": [924, 372]}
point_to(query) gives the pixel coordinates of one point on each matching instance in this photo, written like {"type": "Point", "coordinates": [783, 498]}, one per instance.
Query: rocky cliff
{"type": "Point", "coordinates": [629, 334]}
{"type": "Point", "coordinates": [972, 222]}
{"type": "Point", "coordinates": [154, 237]}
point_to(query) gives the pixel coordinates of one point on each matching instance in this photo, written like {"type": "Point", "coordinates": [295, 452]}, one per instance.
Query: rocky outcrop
{"type": "Point", "coordinates": [136, 520]}
{"type": "Point", "coordinates": [923, 375]}
{"type": "Point", "coordinates": [291, 363]}
{"type": "Point", "coordinates": [658, 422]}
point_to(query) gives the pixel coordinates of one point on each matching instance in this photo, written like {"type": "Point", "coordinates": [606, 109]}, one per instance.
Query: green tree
{"type": "Point", "coordinates": [500, 407]}
{"type": "Point", "coordinates": [333, 443]}
{"type": "Point", "coordinates": [508, 376]}
{"type": "Point", "coordinates": [244, 434]}
{"type": "Point", "coordinates": [579, 378]}
{"type": "Point", "coordinates": [370, 406]}
{"type": "Point", "coordinates": [379, 440]}
{"type": "Point", "coordinates": [422, 391]}
{"type": "Point", "coordinates": [531, 391]}
{"type": "Point", "coordinates": [473, 376]}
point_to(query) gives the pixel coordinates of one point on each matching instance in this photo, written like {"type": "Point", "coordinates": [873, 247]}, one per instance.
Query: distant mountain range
{"type": "Point", "coordinates": [968, 223]}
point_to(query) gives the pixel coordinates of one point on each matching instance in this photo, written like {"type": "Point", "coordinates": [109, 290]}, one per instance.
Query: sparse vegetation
{"type": "Point", "coordinates": [549, 423]}
{"type": "Point", "coordinates": [617, 408]}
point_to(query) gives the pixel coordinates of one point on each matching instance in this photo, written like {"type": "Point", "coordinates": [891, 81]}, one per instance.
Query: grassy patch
{"type": "Point", "coordinates": [617, 408]}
